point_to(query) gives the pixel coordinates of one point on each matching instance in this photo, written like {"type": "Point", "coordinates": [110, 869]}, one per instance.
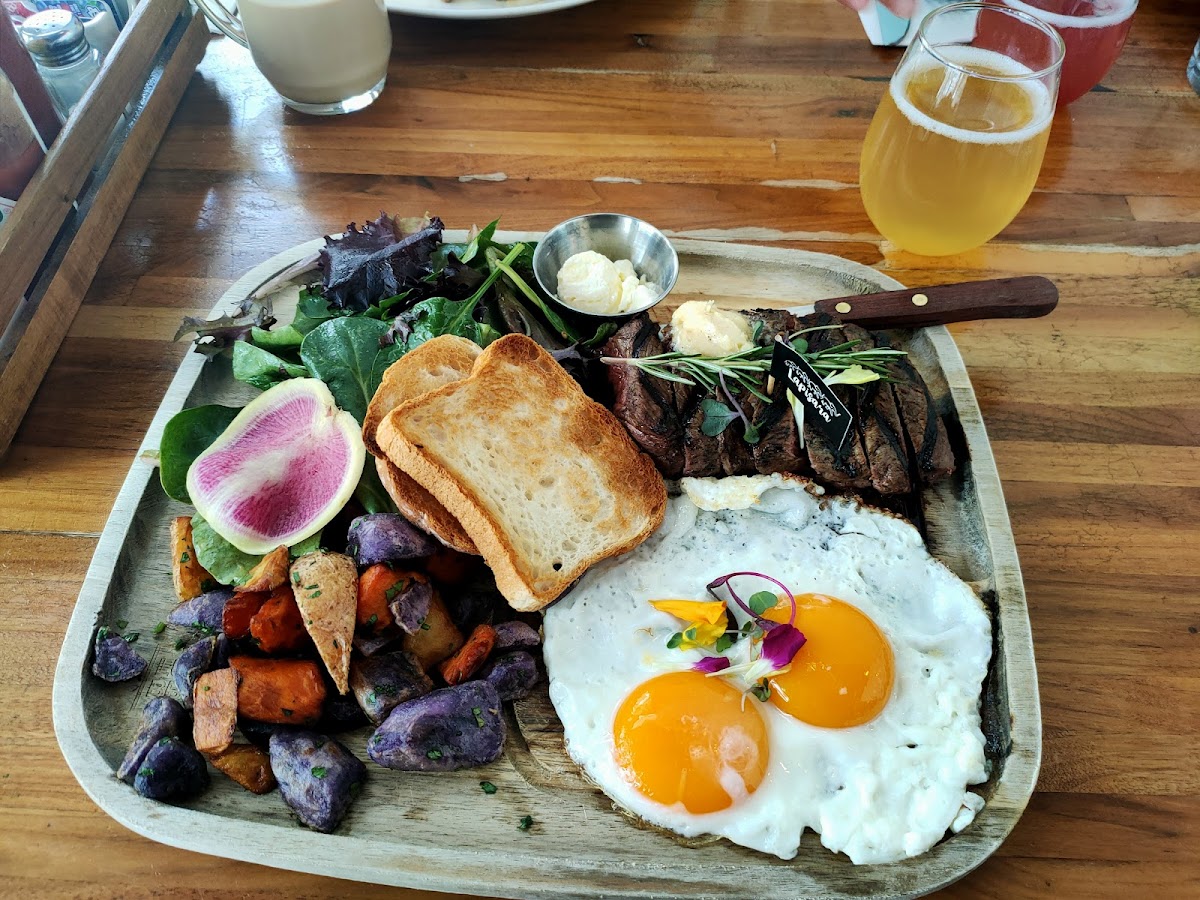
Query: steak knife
{"type": "Point", "coordinates": [1020, 297]}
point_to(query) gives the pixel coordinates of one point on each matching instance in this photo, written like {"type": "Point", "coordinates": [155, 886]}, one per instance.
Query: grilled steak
{"type": "Point", "coordinates": [844, 466]}
{"type": "Point", "coordinates": [643, 403]}
{"type": "Point", "coordinates": [928, 445]}
{"type": "Point", "coordinates": [778, 448]}
{"type": "Point", "coordinates": [882, 431]}
{"type": "Point", "coordinates": [701, 453]}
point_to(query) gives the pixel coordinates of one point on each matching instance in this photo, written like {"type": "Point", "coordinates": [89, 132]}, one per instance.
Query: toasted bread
{"type": "Point", "coordinates": [543, 479]}
{"type": "Point", "coordinates": [422, 509]}
{"type": "Point", "coordinates": [424, 368]}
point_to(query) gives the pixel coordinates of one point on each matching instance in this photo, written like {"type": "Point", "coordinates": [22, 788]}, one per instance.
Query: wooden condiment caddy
{"type": "Point", "coordinates": [67, 216]}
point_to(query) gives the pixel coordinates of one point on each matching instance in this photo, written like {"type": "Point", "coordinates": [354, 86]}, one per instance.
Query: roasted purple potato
{"type": "Point", "coordinates": [318, 777]}
{"type": "Point", "coordinates": [383, 682]}
{"type": "Point", "coordinates": [171, 771]}
{"type": "Point", "coordinates": [454, 728]}
{"type": "Point", "coordinates": [259, 733]}
{"type": "Point", "coordinates": [203, 656]}
{"type": "Point", "coordinates": [115, 660]}
{"type": "Point", "coordinates": [369, 645]}
{"type": "Point", "coordinates": [515, 636]}
{"type": "Point", "coordinates": [512, 675]}
{"type": "Point", "coordinates": [342, 713]}
{"type": "Point", "coordinates": [386, 537]}
{"type": "Point", "coordinates": [205, 612]}
{"type": "Point", "coordinates": [162, 717]}
{"type": "Point", "coordinates": [471, 608]}
{"type": "Point", "coordinates": [410, 607]}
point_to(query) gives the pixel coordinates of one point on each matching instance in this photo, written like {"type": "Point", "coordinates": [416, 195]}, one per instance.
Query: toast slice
{"type": "Point", "coordinates": [424, 368]}
{"type": "Point", "coordinates": [422, 509]}
{"type": "Point", "coordinates": [544, 480]}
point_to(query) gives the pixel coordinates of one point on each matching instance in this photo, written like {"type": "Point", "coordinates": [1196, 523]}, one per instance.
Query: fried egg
{"type": "Point", "coordinates": [871, 738]}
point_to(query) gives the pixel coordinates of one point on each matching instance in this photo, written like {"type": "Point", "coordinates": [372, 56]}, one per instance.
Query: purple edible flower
{"type": "Point", "coordinates": [765, 624]}
{"type": "Point", "coordinates": [710, 664]}
{"type": "Point", "coordinates": [781, 644]}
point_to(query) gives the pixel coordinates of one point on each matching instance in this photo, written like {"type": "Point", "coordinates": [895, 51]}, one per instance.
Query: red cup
{"type": "Point", "coordinates": [1094, 32]}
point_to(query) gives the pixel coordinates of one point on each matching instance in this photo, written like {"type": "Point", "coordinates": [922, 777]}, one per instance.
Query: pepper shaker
{"type": "Point", "coordinates": [67, 62]}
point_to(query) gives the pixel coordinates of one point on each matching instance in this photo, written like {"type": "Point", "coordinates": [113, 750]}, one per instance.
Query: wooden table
{"type": "Point", "coordinates": [723, 119]}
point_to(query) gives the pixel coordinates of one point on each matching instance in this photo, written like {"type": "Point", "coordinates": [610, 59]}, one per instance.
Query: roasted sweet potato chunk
{"type": "Point", "coordinates": [189, 577]}
{"type": "Point", "coordinates": [278, 627]}
{"type": "Point", "coordinates": [238, 612]}
{"type": "Point", "coordinates": [470, 657]}
{"type": "Point", "coordinates": [247, 765]}
{"type": "Point", "coordinates": [214, 711]}
{"type": "Point", "coordinates": [282, 691]}
{"type": "Point", "coordinates": [270, 573]}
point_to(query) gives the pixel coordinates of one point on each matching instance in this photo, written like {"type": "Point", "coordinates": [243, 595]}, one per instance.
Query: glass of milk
{"type": "Point", "coordinates": [324, 57]}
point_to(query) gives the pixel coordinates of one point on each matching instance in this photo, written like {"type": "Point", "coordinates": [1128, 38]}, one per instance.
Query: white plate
{"type": "Point", "coordinates": [479, 9]}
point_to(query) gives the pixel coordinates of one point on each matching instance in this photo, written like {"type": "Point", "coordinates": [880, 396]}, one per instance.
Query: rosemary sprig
{"type": "Point", "coordinates": [746, 368]}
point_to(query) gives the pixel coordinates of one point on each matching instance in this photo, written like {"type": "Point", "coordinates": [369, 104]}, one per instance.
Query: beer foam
{"type": "Point", "coordinates": [1117, 12]}
{"type": "Point", "coordinates": [1040, 102]}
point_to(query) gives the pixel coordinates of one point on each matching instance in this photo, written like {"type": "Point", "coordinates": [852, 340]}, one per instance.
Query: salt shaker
{"type": "Point", "coordinates": [68, 63]}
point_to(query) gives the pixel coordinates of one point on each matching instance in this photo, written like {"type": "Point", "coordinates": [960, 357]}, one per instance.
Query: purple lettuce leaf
{"type": "Point", "coordinates": [385, 258]}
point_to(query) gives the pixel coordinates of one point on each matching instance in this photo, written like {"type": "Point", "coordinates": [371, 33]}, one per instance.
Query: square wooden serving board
{"type": "Point", "coordinates": [441, 832]}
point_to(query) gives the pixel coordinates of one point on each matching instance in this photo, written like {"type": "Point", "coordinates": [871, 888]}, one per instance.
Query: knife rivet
{"type": "Point", "coordinates": [843, 307]}
{"type": "Point", "coordinates": [919, 299]}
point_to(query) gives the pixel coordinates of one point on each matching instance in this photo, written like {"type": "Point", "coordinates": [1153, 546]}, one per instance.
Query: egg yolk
{"type": "Point", "coordinates": [684, 738]}
{"type": "Point", "coordinates": [843, 674]}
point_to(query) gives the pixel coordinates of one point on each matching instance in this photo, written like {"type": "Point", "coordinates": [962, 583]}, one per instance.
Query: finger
{"type": "Point", "coordinates": [902, 8]}
{"type": "Point", "coordinates": [856, 5]}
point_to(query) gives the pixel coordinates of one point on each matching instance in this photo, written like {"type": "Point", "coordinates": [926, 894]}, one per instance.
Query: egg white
{"type": "Point", "coordinates": [878, 792]}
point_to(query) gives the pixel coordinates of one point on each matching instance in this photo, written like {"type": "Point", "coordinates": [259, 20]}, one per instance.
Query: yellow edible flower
{"type": "Point", "coordinates": [702, 634]}
{"type": "Point", "coordinates": [710, 612]}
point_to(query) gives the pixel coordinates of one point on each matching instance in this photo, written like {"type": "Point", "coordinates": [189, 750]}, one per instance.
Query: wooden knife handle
{"type": "Point", "coordinates": [1023, 297]}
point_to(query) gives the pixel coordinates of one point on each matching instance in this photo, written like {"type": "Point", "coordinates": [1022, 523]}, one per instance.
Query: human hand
{"type": "Point", "coordinates": [902, 8]}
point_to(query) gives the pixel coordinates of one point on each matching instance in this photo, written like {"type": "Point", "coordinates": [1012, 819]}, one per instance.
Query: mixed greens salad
{"type": "Point", "coordinates": [371, 295]}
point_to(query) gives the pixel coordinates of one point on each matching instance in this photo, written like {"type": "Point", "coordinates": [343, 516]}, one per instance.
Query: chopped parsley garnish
{"type": "Point", "coordinates": [487, 787]}
{"type": "Point", "coordinates": [319, 771]}
{"type": "Point", "coordinates": [296, 578]}
{"type": "Point", "coordinates": [180, 643]}
{"type": "Point", "coordinates": [132, 637]}
{"type": "Point", "coordinates": [160, 627]}
{"type": "Point", "coordinates": [374, 618]}
{"type": "Point", "coordinates": [434, 753]}
{"type": "Point", "coordinates": [526, 823]}
{"type": "Point", "coordinates": [478, 714]}
{"type": "Point", "coordinates": [390, 593]}
{"type": "Point", "coordinates": [185, 557]}
{"type": "Point", "coordinates": [145, 772]}
{"type": "Point", "coordinates": [102, 633]}
{"type": "Point", "coordinates": [122, 624]}
{"type": "Point", "coordinates": [162, 742]}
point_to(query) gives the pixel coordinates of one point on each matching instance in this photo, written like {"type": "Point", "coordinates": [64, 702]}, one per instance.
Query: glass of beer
{"type": "Point", "coordinates": [1094, 32]}
{"type": "Point", "coordinates": [957, 141]}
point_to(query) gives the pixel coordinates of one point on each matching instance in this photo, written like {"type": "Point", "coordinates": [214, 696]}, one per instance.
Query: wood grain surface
{"type": "Point", "coordinates": [739, 120]}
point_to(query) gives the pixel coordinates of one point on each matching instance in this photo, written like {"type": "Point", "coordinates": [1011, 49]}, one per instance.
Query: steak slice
{"type": "Point", "coordinates": [646, 405]}
{"type": "Point", "coordinates": [737, 457]}
{"type": "Point", "coordinates": [929, 447]}
{"type": "Point", "coordinates": [778, 448]}
{"type": "Point", "coordinates": [701, 453]}
{"type": "Point", "coordinates": [882, 430]}
{"type": "Point", "coordinates": [844, 466]}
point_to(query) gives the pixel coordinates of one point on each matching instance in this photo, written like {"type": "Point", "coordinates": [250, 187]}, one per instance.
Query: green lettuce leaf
{"type": "Point", "coordinates": [261, 368]}
{"type": "Point", "coordinates": [225, 562]}
{"type": "Point", "coordinates": [186, 436]}
{"type": "Point", "coordinates": [346, 353]}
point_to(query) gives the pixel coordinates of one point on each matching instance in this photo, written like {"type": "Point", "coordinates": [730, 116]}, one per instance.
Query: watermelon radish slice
{"type": "Point", "coordinates": [281, 470]}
